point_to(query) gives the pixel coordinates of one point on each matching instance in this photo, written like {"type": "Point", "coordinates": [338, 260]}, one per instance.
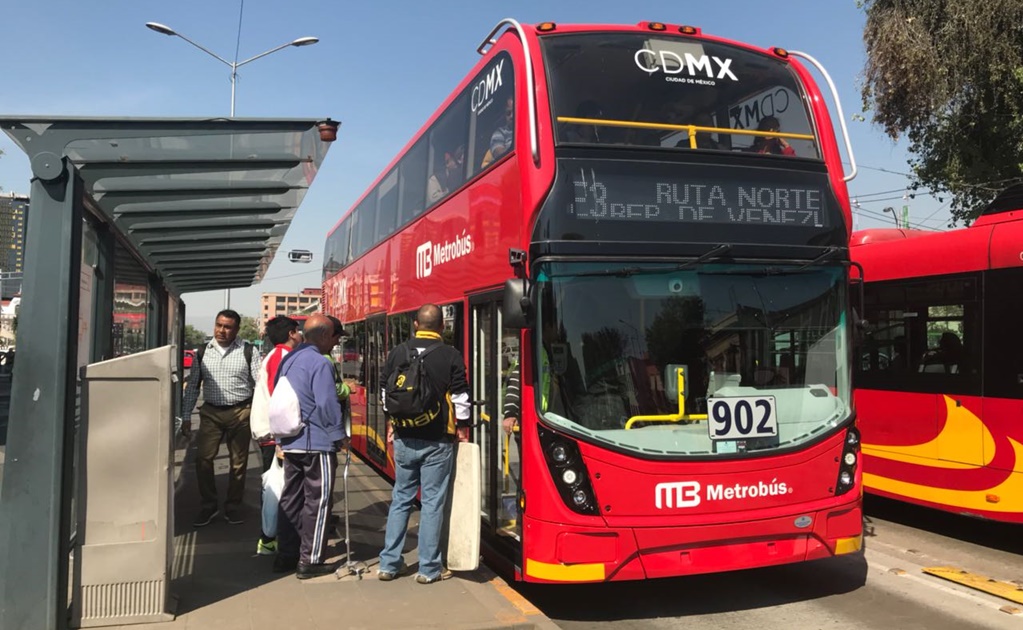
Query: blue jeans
{"type": "Point", "coordinates": [418, 463]}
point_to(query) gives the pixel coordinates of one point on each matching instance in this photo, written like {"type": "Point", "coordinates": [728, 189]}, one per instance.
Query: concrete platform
{"type": "Point", "coordinates": [221, 583]}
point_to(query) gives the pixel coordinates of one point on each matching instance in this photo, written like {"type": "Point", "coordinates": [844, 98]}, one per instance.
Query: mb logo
{"type": "Point", "coordinates": [677, 494]}
{"type": "Point", "coordinates": [424, 259]}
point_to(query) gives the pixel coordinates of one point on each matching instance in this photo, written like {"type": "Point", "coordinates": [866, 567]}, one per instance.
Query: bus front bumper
{"type": "Point", "coordinates": [568, 553]}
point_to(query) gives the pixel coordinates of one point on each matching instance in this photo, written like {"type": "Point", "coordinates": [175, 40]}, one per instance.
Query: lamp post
{"type": "Point", "coordinates": [233, 65]}
{"type": "Point", "coordinates": [894, 216]}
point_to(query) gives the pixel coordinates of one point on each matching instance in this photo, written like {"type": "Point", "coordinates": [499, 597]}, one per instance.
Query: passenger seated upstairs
{"type": "Point", "coordinates": [503, 138]}
{"type": "Point", "coordinates": [584, 134]}
{"type": "Point", "coordinates": [772, 145]}
{"type": "Point", "coordinates": [447, 179]}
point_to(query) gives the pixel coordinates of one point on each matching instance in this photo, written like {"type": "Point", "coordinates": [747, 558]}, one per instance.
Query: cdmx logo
{"type": "Point", "coordinates": [668, 62]}
{"type": "Point", "coordinates": [424, 259]}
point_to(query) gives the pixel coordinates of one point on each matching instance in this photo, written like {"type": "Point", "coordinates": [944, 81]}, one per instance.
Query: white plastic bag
{"type": "Point", "coordinates": [273, 485]}
{"type": "Point", "coordinates": [285, 411]}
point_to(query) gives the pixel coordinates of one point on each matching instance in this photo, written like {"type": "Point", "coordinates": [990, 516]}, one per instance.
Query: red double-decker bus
{"type": "Point", "coordinates": [940, 382]}
{"type": "Point", "coordinates": [646, 228]}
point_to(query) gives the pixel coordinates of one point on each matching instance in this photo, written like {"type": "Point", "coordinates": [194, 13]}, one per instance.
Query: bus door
{"type": "Point", "coordinates": [493, 377]}
{"type": "Point", "coordinates": [1003, 356]}
{"type": "Point", "coordinates": [375, 355]}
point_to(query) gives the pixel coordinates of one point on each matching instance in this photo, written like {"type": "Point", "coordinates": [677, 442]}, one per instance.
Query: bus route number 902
{"type": "Point", "coordinates": [736, 418]}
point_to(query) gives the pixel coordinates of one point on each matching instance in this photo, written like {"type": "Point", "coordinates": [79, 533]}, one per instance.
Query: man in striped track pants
{"type": "Point", "coordinates": [310, 461]}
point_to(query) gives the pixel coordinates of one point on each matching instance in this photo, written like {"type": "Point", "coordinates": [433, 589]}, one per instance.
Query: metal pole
{"type": "Point", "coordinates": [234, 82]}
{"type": "Point", "coordinates": [35, 518]}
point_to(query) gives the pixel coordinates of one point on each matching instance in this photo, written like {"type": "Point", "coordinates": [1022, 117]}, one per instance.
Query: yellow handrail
{"type": "Point", "coordinates": [692, 129]}
{"type": "Point", "coordinates": [680, 416]}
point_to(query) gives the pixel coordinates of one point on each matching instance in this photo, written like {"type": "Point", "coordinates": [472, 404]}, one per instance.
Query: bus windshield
{"type": "Point", "coordinates": [675, 92]}
{"type": "Point", "coordinates": [693, 359]}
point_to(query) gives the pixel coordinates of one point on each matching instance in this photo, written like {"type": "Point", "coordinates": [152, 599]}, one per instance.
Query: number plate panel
{"type": "Point", "coordinates": [741, 417]}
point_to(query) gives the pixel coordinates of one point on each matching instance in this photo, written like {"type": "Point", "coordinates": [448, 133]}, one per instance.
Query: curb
{"type": "Point", "coordinates": [493, 592]}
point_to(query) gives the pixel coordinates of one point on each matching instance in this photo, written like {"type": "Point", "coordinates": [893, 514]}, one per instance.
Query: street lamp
{"type": "Point", "coordinates": [166, 30]}
{"type": "Point", "coordinates": [894, 216]}
{"type": "Point", "coordinates": [300, 256]}
{"type": "Point", "coordinates": [163, 29]}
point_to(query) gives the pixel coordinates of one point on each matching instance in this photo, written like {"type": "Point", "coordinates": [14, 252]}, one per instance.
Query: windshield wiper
{"type": "Point", "coordinates": [827, 254]}
{"type": "Point", "coordinates": [712, 254]}
{"type": "Point", "coordinates": [625, 272]}
{"type": "Point", "coordinates": [622, 272]}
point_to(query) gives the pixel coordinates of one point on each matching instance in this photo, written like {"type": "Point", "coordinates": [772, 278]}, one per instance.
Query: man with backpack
{"type": "Point", "coordinates": [227, 370]}
{"type": "Point", "coordinates": [426, 396]}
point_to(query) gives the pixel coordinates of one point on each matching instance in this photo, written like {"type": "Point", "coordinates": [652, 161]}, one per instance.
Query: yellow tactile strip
{"type": "Point", "coordinates": [1005, 590]}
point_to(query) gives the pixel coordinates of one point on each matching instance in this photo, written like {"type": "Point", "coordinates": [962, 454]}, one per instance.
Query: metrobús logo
{"type": "Point", "coordinates": [673, 64]}
{"type": "Point", "coordinates": [685, 494]}
{"type": "Point", "coordinates": [429, 255]}
{"type": "Point", "coordinates": [337, 293]}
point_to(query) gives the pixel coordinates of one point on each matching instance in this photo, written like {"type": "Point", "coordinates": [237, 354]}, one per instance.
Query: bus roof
{"type": "Point", "coordinates": [881, 235]}
{"type": "Point", "coordinates": [921, 254]}
{"type": "Point", "coordinates": [1007, 206]}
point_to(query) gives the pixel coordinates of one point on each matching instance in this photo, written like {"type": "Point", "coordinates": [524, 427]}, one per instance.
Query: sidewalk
{"type": "Point", "coordinates": [222, 584]}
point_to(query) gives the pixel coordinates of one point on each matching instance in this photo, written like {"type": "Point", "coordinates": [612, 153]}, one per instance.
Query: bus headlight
{"type": "Point", "coordinates": [568, 471]}
{"type": "Point", "coordinates": [850, 458]}
{"type": "Point", "coordinates": [579, 497]}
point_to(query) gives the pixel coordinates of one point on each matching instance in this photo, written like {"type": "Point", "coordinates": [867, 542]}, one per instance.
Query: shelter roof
{"type": "Point", "coordinates": [204, 202]}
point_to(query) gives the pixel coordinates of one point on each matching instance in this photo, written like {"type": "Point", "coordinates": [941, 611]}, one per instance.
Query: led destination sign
{"type": "Point", "coordinates": [644, 198]}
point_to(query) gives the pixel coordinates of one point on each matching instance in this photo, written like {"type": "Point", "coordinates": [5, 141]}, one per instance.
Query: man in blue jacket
{"type": "Point", "coordinates": [309, 456]}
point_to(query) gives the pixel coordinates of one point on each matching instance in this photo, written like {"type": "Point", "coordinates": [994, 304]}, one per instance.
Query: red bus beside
{"type": "Point", "coordinates": [649, 227]}
{"type": "Point", "coordinates": [939, 389]}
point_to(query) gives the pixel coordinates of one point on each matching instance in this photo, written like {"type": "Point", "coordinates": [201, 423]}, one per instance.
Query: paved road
{"type": "Point", "coordinates": [884, 588]}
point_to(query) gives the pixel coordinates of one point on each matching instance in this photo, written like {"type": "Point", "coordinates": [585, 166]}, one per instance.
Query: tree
{"type": "Point", "coordinates": [249, 330]}
{"type": "Point", "coordinates": [948, 74]}
{"type": "Point", "coordinates": [194, 336]}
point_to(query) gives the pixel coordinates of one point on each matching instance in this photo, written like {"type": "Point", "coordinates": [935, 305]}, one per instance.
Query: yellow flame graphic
{"type": "Point", "coordinates": [965, 443]}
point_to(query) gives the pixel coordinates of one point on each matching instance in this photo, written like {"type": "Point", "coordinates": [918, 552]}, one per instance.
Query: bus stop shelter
{"type": "Point", "coordinates": [126, 215]}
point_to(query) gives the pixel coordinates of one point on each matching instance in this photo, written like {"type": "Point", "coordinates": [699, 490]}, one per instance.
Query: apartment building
{"type": "Point", "coordinates": [274, 304]}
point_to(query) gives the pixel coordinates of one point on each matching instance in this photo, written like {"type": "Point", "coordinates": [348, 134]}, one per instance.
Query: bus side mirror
{"type": "Point", "coordinates": [516, 303]}
{"type": "Point", "coordinates": [855, 309]}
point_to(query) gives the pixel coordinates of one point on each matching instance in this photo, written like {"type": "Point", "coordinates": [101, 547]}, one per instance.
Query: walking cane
{"type": "Point", "coordinates": [350, 567]}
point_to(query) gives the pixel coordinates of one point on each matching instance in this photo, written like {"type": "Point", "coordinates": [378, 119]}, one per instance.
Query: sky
{"type": "Point", "coordinates": [381, 68]}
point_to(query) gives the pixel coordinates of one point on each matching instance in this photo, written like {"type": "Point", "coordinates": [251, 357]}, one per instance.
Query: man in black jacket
{"type": "Point", "coordinates": [424, 448]}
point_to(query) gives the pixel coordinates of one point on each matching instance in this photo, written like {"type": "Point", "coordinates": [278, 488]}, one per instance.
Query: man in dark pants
{"type": "Point", "coordinates": [228, 378]}
{"type": "Point", "coordinates": [310, 460]}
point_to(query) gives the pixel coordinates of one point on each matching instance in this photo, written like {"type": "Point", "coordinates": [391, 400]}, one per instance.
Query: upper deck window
{"type": "Point", "coordinates": [675, 92]}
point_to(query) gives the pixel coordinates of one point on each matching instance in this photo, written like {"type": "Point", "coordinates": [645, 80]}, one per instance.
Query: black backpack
{"type": "Point", "coordinates": [409, 393]}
